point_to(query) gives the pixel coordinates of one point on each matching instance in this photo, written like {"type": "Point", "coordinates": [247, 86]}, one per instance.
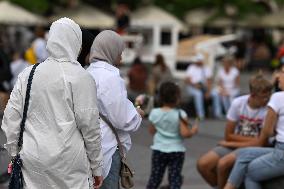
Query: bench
{"type": "Point", "coordinates": [276, 183]}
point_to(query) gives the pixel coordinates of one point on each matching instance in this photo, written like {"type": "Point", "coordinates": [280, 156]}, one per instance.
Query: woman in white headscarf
{"type": "Point", "coordinates": [105, 55]}
{"type": "Point", "coordinates": [61, 142]}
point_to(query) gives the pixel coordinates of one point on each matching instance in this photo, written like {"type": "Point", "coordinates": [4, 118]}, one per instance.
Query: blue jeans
{"type": "Point", "coordinates": [198, 98]}
{"type": "Point", "coordinates": [227, 100]}
{"type": "Point", "coordinates": [112, 179]}
{"type": "Point", "coordinates": [256, 164]}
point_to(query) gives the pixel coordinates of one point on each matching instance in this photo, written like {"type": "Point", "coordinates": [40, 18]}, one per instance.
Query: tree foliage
{"type": "Point", "coordinates": [180, 7]}
{"type": "Point", "coordinates": [37, 6]}
{"type": "Point", "coordinates": [176, 7]}
{"type": "Point", "coordinates": [243, 7]}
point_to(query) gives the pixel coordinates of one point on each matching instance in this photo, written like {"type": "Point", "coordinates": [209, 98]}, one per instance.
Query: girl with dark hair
{"type": "Point", "coordinates": [169, 126]}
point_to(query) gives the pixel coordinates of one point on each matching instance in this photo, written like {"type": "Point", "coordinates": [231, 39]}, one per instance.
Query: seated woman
{"type": "Point", "coordinates": [228, 78]}
{"type": "Point", "coordinates": [257, 164]}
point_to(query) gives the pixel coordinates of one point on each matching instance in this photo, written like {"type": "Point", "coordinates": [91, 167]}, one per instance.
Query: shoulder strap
{"type": "Point", "coordinates": [115, 133]}
{"type": "Point", "coordinates": [26, 106]}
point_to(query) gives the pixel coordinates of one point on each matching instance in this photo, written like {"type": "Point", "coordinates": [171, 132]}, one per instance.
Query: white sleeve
{"type": "Point", "coordinates": [40, 50]}
{"type": "Point", "coordinates": [208, 72]}
{"type": "Point", "coordinates": [13, 68]}
{"type": "Point", "coordinates": [189, 71]}
{"type": "Point", "coordinates": [233, 112]}
{"type": "Point", "coordinates": [237, 72]}
{"type": "Point", "coordinates": [218, 75]}
{"type": "Point", "coordinates": [13, 117]}
{"type": "Point", "coordinates": [183, 114]}
{"type": "Point", "coordinates": [274, 102]}
{"type": "Point", "coordinates": [119, 110]}
{"type": "Point", "coordinates": [87, 120]}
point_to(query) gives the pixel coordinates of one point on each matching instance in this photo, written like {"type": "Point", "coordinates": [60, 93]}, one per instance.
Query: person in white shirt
{"type": "Point", "coordinates": [39, 45]}
{"type": "Point", "coordinates": [228, 82]}
{"type": "Point", "coordinates": [62, 137]}
{"type": "Point", "coordinates": [257, 164]}
{"type": "Point", "coordinates": [17, 66]}
{"type": "Point", "coordinates": [113, 103]}
{"type": "Point", "coordinates": [199, 81]}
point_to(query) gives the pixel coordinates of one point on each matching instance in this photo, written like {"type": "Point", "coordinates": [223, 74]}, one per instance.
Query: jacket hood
{"type": "Point", "coordinates": [65, 40]}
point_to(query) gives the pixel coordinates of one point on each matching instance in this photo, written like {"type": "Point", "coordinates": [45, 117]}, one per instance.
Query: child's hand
{"type": "Point", "coordinates": [195, 126]}
{"type": "Point", "coordinates": [194, 129]}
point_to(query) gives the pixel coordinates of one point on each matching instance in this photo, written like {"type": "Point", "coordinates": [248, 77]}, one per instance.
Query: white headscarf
{"type": "Point", "coordinates": [107, 46]}
{"type": "Point", "coordinates": [64, 41]}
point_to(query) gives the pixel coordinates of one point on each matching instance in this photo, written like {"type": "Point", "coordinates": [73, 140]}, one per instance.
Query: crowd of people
{"type": "Point", "coordinates": [67, 145]}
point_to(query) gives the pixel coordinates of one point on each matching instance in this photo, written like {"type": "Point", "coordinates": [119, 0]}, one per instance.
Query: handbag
{"type": "Point", "coordinates": [126, 173]}
{"type": "Point", "coordinates": [16, 180]}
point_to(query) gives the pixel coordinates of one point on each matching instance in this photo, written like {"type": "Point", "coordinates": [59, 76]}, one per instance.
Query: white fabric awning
{"type": "Point", "coordinates": [222, 22]}
{"type": "Point", "coordinates": [251, 20]}
{"type": "Point", "coordinates": [198, 17]}
{"type": "Point", "coordinates": [87, 16]}
{"type": "Point", "coordinates": [273, 19]}
{"type": "Point", "coordinates": [187, 47]}
{"type": "Point", "coordinates": [153, 15]}
{"type": "Point", "coordinates": [11, 14]}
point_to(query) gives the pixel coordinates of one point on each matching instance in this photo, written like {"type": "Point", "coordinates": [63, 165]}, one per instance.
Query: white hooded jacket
{"type": "Point", "coordinates": [62, 139]}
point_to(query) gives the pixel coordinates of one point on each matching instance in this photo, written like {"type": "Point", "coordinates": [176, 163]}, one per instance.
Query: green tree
{"type": "Point", "coordinates": [176, 7]}
{"type": "Point", "coordinates": [37, 6]}
{"type": "Point", "coordinates": [180, 7]}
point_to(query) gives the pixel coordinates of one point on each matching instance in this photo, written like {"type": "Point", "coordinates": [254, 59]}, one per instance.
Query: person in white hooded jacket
{"type": "Point", "coordinates": [113, 103]}
{"type": "Point", "coordinates": [61, 141]}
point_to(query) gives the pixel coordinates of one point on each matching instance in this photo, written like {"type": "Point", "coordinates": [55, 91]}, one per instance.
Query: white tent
{"type": "Point", "coordinates": [198, 17]}
{"type": "Point", "coordinates": [251, 20]}
{"type": "Point", "coordinates": [12, 14]}
{"type": "Point", "coordinates": [87, 16]}
{"type": "Point", "coordinates": [153, 15]}
{"type": "Point", "coordinates": [273, 19]}
{"type": "Point", "coordinates": [187, 47]}
{"type": "Point", "coordinates": [222, 22]}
